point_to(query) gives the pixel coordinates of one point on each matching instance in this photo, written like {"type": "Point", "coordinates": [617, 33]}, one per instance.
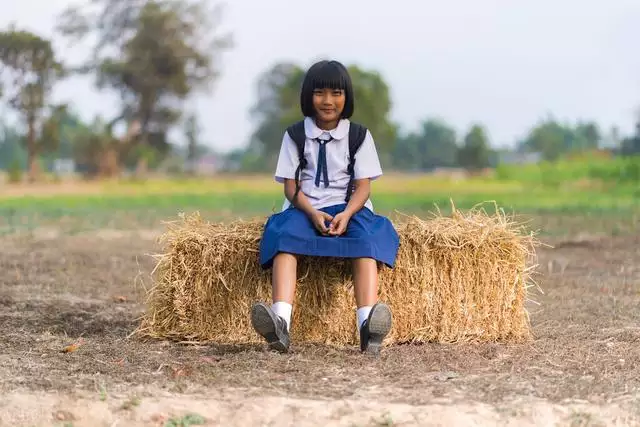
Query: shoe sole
{"type": "Point", "coordinates": [380, 320]}
{"type": "Point", "coordinates": [264, 323]}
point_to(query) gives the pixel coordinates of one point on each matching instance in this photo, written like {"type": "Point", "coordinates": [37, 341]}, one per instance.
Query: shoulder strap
{"type": "Point", "coordinates": [297, 133]}
{"type": "Point", "coordinates": [299, 137]}
{"type": "Point", "coordinates": [357, 134]}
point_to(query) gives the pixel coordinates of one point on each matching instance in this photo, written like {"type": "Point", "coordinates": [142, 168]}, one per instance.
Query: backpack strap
{"type": "Point", "coordinates": [357, 134]}
{"type": "Point", "coordinates": [299, 137]}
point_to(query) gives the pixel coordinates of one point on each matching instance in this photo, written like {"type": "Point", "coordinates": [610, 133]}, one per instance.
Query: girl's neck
{"type": "Point", "coordinates": [327, 125]}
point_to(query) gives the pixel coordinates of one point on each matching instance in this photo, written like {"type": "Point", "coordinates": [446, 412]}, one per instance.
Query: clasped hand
{"type": "Point", "coordinates": [337, 224]}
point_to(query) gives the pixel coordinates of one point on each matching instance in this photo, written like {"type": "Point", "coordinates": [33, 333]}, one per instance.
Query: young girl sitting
{"type": "Point", "coordinates": [327, 211]}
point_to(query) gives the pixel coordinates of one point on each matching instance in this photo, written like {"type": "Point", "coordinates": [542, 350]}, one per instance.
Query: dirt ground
{"type": "Point", "coordinates": [583, 369]}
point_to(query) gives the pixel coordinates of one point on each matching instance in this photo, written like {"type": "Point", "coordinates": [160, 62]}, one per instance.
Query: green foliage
{"type": "Point", "coordinates": [373, 108]}
{"type": "Point", "coordinates": [15, 171]}
{"type": "Point", "coordinates": [192, 132]}
{"type": "Point", "coordinates": [618, 170]}
{"type": "Point", "coordinates": [276, 108]}
{"type": "Point", "coordinates": [434, 146]}
{"type": "Point", "coordinates": [143, 153]}
{"type": "Point", "coordinates": [554, 139]}
{"type": "Point", "coordinates": [624, 170]}
{"type": "Point", "coordinates": [154, 54]}
{"type": "Point", "coordinates": [27, 58]}
{"type": "Point", "coordinates": [631, 146]}
{"type": "Point", "coordinates": [162, 61]}
{"type": "Point", "coordinates": [11, 148]}
{"type": "Point", "coordinates": [186, 421]}
{"type": "Point", "coordinates": [33, 69]}
{"type": "Point", "coordinates": [474, 153]}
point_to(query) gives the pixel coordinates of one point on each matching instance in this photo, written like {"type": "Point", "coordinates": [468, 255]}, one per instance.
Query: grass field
{"type": "Point", "coordinates": [85, 206]}
{"type": "Point", "coordinates": [75, 262]}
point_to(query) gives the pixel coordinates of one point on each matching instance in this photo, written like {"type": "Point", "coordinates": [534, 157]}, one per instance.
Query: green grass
{"type": "Point", "coordinates": [147, 204]}
{"type": "Point", "coordinates": [617, 171]}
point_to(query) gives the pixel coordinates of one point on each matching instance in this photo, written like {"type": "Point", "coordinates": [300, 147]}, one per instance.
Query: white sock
{"type": "Point", "coordinates": [363, 314]}
{"type": "Point", "coordinates": [283, 309]}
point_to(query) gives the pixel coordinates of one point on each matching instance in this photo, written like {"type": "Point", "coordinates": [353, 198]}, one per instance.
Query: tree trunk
{"type": "Point", "coordinates": [109, 165]}
{"type": "Point", "coordinates": [32, 152]}
{"type": "Point", "coordinates": [142, 167]}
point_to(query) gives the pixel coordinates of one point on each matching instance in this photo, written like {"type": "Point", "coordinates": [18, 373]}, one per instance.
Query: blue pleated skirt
{"type": "Point", "coordinates": [368, 235]}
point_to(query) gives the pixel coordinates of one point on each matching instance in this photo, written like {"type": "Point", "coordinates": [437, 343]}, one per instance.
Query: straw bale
{"type": "Point", "coordinates": [458, 278]}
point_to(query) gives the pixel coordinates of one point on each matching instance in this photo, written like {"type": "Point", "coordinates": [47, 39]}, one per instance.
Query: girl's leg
{"type": "Point", "coordinates": [365, 277]}
{"type": "Point", "coordinates": [273, 322]}
{"type": "Point", "coordinates": [374, 319]}
{"type": "Point", "coordinates": [283, 282]}
{"type": "Point", "coordinates": [283, 277]}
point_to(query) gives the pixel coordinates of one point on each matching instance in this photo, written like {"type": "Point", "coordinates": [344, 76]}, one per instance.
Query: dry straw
{"type": "Point", "coordinates": [458, 278]}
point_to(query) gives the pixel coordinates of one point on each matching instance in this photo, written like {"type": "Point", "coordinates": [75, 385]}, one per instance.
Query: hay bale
{"type": "Point", "coordinates": [458, 278]}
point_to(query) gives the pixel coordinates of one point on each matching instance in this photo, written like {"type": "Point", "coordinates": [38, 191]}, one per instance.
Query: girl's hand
{"type": "Point", "coordinates": [319, 220]}
{"type": "Point", "coordinates": [339, 224]}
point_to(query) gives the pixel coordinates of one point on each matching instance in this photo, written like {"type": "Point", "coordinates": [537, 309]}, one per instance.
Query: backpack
{"type": "Point", "coordinates": [357, 133]}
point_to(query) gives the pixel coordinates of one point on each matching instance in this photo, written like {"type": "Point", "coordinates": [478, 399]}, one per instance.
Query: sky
{"type": "Point", "coordinates": [504, 63]}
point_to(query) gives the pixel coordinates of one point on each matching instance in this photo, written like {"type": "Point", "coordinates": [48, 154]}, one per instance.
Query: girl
{"type": "Point", "coordinates": [327, 211]}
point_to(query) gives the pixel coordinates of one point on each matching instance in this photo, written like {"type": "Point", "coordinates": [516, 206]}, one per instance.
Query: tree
{"type": "Point", "coordinates": [434, 146]}
{"type": "Point", "coordinates": [553, 139]}
{"type": "Point", "coordinates": [474, 153]}
{"type": "Point", "coordinates": [587, 136]}
{"type": "Point", "coordinates": [191, 132]}
{"type": "Point", "coordinates": [95, 148]}
{"type": "Point", "coordinates": [155, 54]}
{"type": "Point", "coordinates": [373, 107]}
{"type": "Point", "coordinates": [547, 138]}
{"type": "Point", "coordinates": [631, 146]}
{"type": "Point", "coordinates": [33, 70]}
{"type": "Point", "coordinates": [12, 150]}
{"type": "Point", "coordinates": [278, 106]}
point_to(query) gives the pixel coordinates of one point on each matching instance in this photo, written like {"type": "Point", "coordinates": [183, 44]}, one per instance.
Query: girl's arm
{"type": "Point", "coordinates": [359, 196]}
{"type": "Point", "coordinates": [317, 217]}
{"type": "Point", "coordinates": [301, 202]}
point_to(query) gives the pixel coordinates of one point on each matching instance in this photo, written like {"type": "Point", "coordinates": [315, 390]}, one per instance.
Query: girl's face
{"type": "Point", "coordinates": [328, 104]}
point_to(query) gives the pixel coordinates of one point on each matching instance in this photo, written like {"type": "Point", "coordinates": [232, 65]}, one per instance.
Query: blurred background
{"type": "Point", "coordinates": [124, 113]}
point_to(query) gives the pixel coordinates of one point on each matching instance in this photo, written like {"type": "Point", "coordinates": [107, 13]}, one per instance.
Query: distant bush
{"type": "Point", "coordinates": [619, 170]}
{"type": "Point", "coordinates": [14, 172]}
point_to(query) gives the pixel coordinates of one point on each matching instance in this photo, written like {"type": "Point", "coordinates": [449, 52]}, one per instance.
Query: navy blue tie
{"type": "Point", "coordinates": [322, 162]}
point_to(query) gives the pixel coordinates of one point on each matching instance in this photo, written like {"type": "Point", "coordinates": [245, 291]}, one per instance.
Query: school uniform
{"type": "Point", "coordinates": [324, 181]}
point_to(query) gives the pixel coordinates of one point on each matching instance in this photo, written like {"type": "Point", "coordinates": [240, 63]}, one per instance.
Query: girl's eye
{"type": "Point", "coordinates": [337, 92]}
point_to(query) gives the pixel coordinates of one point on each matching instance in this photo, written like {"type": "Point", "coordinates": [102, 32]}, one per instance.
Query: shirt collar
{"type": "Point", "coordinates": [313, 131]}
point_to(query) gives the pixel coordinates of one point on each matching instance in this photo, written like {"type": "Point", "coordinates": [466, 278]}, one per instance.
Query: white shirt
{"type": "Point", "coordinates": [367, 164]}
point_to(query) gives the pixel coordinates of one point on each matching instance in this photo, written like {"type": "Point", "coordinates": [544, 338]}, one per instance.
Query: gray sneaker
{"type": "Point", "coordinates": [375, 329]}
{"type": "Point", "coordinates": [271, 327]}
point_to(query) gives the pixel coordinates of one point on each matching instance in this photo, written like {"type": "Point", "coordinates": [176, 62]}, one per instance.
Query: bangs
{"type": "Point", "coordinates": [328, 76]}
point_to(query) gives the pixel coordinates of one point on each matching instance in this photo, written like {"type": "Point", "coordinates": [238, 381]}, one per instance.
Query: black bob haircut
{"type": "Point", "coordinates": [326, 75]}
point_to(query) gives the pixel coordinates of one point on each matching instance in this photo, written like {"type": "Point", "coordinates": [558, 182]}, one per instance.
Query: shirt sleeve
{"type": "Point", "coordinates": [287, 160]}
{"type": "Point", "coordinates": [367, 161]}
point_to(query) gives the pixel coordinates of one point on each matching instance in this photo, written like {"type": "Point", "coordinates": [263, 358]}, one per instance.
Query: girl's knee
{"type": "Point", "coordinates": [286, 258]}
{"type": "Point", "coordinates": [365, 262]}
